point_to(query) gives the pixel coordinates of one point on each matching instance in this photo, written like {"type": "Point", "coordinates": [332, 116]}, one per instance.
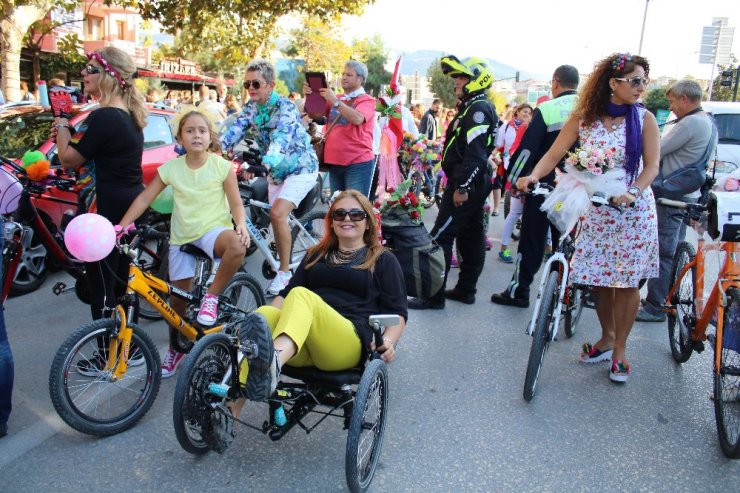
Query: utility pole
{"type": "Point", "coordinates": [642, 32]}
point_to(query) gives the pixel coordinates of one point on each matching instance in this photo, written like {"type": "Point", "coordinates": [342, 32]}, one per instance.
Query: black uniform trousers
{"type": "Point", "coordinates": [531, 248]}
{"type": "Point", "coordinates": [464, 224]}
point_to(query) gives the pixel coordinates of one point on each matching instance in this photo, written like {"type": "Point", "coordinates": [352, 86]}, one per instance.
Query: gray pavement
{"type": "Point", "coordinates": [457, 418]}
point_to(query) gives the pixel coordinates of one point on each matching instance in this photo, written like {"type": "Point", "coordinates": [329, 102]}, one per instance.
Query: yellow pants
{"type": "Point", "coordinates": [324, 338]}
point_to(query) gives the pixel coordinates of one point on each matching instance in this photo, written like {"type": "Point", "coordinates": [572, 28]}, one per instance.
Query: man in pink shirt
{"type": "Point", "coordinates": [348, 150]}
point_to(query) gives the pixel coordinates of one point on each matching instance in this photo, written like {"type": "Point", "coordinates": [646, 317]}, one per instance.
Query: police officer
{"type": "Point", "coordinates": [468, 143]}
{"type": "Point", "coordinates": [547, 120]}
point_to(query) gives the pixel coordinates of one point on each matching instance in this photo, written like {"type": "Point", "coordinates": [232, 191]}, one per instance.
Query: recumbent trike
{"type": "Point", "coordinates": [209, 380]}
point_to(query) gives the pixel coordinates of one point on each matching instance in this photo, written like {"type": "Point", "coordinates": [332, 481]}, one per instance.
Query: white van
{"type": "Point", "coordinates": [727, 117]}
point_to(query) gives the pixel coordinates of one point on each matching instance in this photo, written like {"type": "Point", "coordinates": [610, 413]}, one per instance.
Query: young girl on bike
{"type": "Point", "coordinates": [206, 198]}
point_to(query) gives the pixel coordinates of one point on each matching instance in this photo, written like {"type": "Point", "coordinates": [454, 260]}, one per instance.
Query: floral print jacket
{"type": "Point", "coordinates": [283, 141]}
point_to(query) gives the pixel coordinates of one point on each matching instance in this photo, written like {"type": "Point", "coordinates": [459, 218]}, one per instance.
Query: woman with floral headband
{"type": "Point", "coordinates": [615, 249]}
{"type": "Point", "coordinates": [108, 156]}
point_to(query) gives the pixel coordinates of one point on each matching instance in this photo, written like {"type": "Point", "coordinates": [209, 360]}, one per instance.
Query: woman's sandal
{"type": "Point", "coordinates": [620, 371]}
{"type": "Point", "coordinates": [591, 354]}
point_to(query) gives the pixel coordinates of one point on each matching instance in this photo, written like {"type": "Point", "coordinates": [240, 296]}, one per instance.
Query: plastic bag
{"type": "Point", "coordinates": [572, 195]}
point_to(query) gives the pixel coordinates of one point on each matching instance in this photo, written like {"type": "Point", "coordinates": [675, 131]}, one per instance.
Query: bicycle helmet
{"type": "Point", "coordinates": [481, 75]}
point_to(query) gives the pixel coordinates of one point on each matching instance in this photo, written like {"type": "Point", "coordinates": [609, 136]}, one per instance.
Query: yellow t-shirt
{"type": "Point", "coordinates": [200, 203]}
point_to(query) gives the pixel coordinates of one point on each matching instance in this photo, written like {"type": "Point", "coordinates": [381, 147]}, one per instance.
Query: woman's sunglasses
{"type": "Point", "coordinates": [355, 215]}
{"type": "Point", "coordinates": [254, 83]}
{"type": "Point", "coordinates": [634, 81]}
{"type": "Point", "coordinates": [92, 69]}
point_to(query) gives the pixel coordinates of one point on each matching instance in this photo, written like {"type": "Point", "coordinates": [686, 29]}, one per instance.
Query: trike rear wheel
{"type": "Point", "coordinates": [681, 325]}
{"type": "Point", "coordinates": [367, 424]}
{"type": "Point", "coordinates": [201, 421]}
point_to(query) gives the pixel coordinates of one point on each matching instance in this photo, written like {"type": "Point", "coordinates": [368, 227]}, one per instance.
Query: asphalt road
{"type": "Point", "coordinates": [457, 419]}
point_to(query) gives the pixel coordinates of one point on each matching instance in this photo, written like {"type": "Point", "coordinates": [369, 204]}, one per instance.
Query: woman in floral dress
{"type": "Point", "coordinates": [615, 249]}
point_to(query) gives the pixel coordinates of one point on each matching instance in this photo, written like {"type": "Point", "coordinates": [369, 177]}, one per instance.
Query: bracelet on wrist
{"type": "Point", "coordinates": [388, 340]}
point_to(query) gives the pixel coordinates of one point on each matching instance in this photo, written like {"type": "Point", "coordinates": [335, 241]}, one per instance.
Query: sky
{"type": "Point", "coordinates": [537, 35]}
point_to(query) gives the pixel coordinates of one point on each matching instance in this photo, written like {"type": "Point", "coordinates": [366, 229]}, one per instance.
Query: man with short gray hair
{"type": "Point", "coordinates": [685, 145]}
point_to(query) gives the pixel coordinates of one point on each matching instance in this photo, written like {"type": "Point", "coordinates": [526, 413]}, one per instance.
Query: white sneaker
{"type": "Point", "coordinates": [278, 284]}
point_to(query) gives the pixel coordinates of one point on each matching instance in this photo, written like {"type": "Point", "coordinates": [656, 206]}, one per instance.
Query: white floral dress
{"type": "Point", "coordinates": [616, 249]}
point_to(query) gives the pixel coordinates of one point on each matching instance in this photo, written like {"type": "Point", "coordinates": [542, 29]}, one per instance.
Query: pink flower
{"type": "Point", "coordinates": [597, 171]}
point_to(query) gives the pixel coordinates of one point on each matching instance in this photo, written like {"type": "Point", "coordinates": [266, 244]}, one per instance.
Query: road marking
{"type": "Point", "coordinates": [15, 445]}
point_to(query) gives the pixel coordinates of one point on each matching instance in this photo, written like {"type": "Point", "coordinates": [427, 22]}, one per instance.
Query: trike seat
{"type": "Point", "coordinates": [313, 375]}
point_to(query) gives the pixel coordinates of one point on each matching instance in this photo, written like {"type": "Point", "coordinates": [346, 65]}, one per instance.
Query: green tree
{"type": "Point", "coordinates": [374, 54]}
{"type": "Point", "coordinates": [281, 87]}
{"type": "Point", "coordinates": [498, 100]}
{"type": "Point", "coordinates": [319, 45]}
{"type": "Point", "coordinates": [656, 100]}
{"type": "Point", "coordinates": [723, 93]}
{"type": "Point", "coordinates": [441, 85]}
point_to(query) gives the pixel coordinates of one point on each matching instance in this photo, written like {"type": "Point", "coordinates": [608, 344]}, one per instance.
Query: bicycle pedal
{"type": "Point", "coordinates": [698, 346]}
{"type": "Point", "coordinates": [60, 288]}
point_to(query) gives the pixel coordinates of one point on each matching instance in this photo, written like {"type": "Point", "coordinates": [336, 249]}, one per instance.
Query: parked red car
{"type": "Point", "coordinates": [26, 127]}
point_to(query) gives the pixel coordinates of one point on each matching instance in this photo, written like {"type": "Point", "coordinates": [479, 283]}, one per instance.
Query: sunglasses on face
{"type": "Point", "coordinates": [254, 83]}
{"type": "Point", "coordinates": [634, 81]}
{"type": "Point", "coordinates": [92, 69]}
{"type": "Point", "coordinates": [355, 215]}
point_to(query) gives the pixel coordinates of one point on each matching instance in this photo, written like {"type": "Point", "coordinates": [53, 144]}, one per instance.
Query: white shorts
{"type": "Point", "coordinates": [182, 265]}
{"type": "Point", "coordinates": [294, 188]}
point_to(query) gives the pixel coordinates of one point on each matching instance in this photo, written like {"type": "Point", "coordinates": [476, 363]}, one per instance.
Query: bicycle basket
{"type": "Point", "coordinates": [724, 216]}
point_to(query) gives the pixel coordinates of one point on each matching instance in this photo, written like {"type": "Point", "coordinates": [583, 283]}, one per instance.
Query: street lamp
{"type": "Point", "coordinates": [642, 32]}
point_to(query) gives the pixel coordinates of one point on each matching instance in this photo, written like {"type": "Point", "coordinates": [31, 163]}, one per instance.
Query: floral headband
{"type": "Point", "coordinates": [108, 68]}
{"type": "Point", "coordinates": [619, 62]}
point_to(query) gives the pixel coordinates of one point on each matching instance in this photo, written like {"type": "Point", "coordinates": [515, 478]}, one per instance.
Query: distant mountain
{"type": "Point", "coordinates": [420, 60]}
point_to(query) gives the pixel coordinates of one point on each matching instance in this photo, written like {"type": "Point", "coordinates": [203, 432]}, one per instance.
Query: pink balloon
{"type": "Point", "coordinates": [89, 237]}
{"type": "Point", "coordinates": [10, 192]}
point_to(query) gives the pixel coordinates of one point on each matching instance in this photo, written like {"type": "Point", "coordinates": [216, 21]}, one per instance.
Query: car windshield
{"type": "Point", "coordinates": [23, 129]}
{"type": "Point", "coordinates": [728, 126]}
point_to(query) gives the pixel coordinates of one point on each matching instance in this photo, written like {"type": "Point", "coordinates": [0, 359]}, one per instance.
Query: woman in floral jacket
{"type": "Point", "coordinates": [274, 123]}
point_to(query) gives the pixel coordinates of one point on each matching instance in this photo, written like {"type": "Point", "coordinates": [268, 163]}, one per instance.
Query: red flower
{"type": "Point", "coordinates": [390, 190]}
{"type": "Point", "coordinates": [412, 198]}
{"type": "Point", "coordinates": [377, 204]}
{"type": "Point", "coordinates": [403, 201]}
{"type": "Point", "coordinates": [415, 215]}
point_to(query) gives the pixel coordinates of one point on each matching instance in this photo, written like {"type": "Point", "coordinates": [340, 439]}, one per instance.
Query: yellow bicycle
{"type": "Point", "coordinates": [106, 375]}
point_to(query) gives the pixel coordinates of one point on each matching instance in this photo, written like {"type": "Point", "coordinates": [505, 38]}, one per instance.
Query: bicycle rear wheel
{"type": "Point", "coordinates": [727, 379]}
{"type": "Point", "coordinates": [244, 292]}
{"type": "Point", "coordinates": [201, 420]}
{"type": "Point", "coordinates": [421, 189]}
{"type": "Point", "coordinates": [542, 333]}
{"type": "Point", "coordinates": [85, 394]}
{"type": "Point", "coordinates": [154, 259]}
{"type": "Point", "coordinates": [313, 222]}
{"type": "Point", "coordinates": [682, 323]}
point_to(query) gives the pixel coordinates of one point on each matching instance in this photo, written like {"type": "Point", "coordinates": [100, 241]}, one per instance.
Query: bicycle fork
{"type": "Point", "coordinates": [564, 269]}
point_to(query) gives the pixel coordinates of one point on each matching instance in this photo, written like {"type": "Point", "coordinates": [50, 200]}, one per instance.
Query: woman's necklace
{"type": "Point", "coordinates": [346, 257]}
{"type": "Point", "coordinates": [613, 123]}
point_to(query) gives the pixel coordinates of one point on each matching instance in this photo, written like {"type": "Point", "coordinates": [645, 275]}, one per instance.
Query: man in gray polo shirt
{"type": "Point", "coordinates": [685, 144]}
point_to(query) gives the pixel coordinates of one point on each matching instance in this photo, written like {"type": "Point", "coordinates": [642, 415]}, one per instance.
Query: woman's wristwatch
{"type": "Point", "coordinates": [634, 190]}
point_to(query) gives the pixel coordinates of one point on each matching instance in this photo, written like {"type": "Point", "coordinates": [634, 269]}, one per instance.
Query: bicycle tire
{"type": "Point", "coordinates": [439, 188]}
{"type": "Point", "coordinates": [192, 413]}
{"type": "Point", "coordinates": [573, 310]}
{"type": "Point", "coordinates": [542, 334]}
{"type": "Point", "coordinates": [358, 471]}
{"type": "Point", "coordinates": [244, 292]}
{"type": "Point", "coordinates": [423, 194]}
{"type": "Point", "coordinates": [507, 203]}
{"type": "Point", "coordinates": [727, 382]}
{"type": "Point", "coordinates": [32, 269]}
{"type": "Point", "coordinates": [67, 397]}
{"type": "Point", "coordinates": [159, 266]}
{"type": "Point", "coordinates": [683, 300]}
{"type": "Point", "coordinates": [313, 221]}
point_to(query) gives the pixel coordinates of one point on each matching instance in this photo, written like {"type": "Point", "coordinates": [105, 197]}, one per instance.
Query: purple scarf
{"type": "Point", "coordinates": [633, 149]}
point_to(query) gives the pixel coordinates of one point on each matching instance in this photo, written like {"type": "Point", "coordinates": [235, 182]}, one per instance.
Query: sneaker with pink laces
{"type": "Point", "coordinates": [208, 312]}
{"type": "Point", "coordinates": [170, 362]}
{"type": "Point", "coordinates": [279, 282]}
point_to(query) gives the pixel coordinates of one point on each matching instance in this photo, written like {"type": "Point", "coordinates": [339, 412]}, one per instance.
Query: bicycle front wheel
{"type": "Point", "coordinates": [86, 394]}
{"type": "Point", "coordinates": [313, 223]}
{"type": "Point", "coordinates": [542, 334]}
{"type": "Point", "coordinates": [727, 379]}
{"type": "Point", "coordinates": [682, 323]}
{"type": "Point", "coordinates": [200, 420]}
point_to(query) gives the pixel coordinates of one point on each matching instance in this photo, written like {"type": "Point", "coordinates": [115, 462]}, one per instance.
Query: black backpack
{"type": "Point", "coordinates": [422, 261]}
{"type": "Point", "coordinates": [686, 179]}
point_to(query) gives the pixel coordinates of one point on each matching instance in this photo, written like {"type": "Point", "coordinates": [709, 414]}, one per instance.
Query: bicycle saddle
{"type": "Point", "coordinates": [194, 251]}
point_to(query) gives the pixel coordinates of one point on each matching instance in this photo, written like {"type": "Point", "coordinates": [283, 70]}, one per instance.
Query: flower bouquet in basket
{"type": "Point", "coordinates": [589, 171]}
{"type": "Point", "coordinates": [401, 201]}
{"type": "Point", "coordinates": [419, 151]}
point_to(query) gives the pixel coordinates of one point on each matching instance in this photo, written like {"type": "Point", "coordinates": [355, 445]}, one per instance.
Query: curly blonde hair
{"type": "Point", "coordinates": [595, 95]}
{"type": "Point", "coordinates": [109, 85]}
